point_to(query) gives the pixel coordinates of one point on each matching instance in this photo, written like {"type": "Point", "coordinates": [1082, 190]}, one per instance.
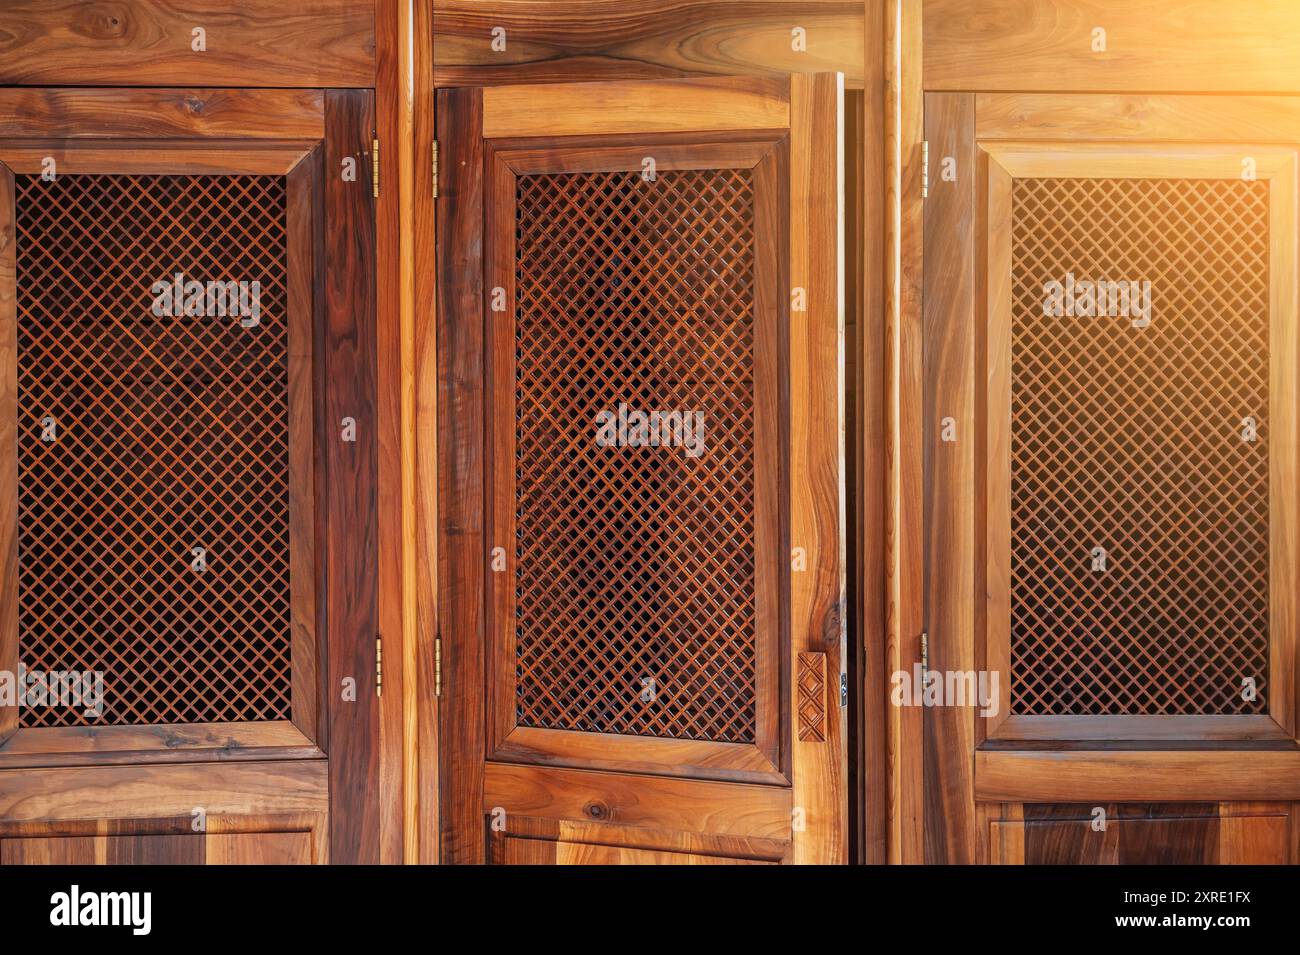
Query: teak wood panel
{"type": "Point", "coordinates": [255, 43]}
{"type": "Point", "coordinates": [1149, 117]}
{"type": "Point", "coordinates": [1047, 45]}
{"type": "Point", "coordinates": [61, 114]}
{"type": "Point", "coordinates": [950, 361]}
{"type": "Point", "coordinates": [815, 186]}
{"type": "Point", "coordinates": [590, 40]}
{"type": "Point", "coordinates": [348, 388]}
{"type": "Point", "coordinates": [1143, 834]}
{"type": "Point", "coordinates": [1004, 165]}
{"type": "Point", "coordinates": [712, 736]}
{"type": "Point", "coordinates": [279, 839]}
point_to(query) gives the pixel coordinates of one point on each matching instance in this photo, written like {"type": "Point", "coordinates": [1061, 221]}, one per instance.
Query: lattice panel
{"type": "Point", "coordinates": [171, 433]}
{"type": "Point", "coordinates": [635, 565]}
{"type": "Point", "coordinates": [1131, 440]}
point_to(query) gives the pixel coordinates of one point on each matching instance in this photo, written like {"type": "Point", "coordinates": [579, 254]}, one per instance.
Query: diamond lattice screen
{"type": "Point", "coordinates": [170, 434]}
{"type": "Point", "coordinates": [635, 565]}
{"type": "Point", "coordinates": [1131, 440]}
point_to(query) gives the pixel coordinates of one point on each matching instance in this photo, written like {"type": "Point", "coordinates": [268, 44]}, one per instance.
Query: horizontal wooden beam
{"type": "Point", "coordinates": [1136, 775]}
{"type": "Point", "coordinates": [254, 43]}
{"type": "Point", "coordinates": [635, 106]}
{"type": "Point", "coordinates": [1211, 46]}
{"type": "Point", "coordinates": [658, 802]}
{"type": "Point", "coordinates": [139, 792]}
{"type": "Point", "coordinates": [161, 114]}
{"type": "Point", "coordinates": [169, 743]}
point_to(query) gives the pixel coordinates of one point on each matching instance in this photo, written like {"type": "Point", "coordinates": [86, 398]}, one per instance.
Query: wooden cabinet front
{"type": "Point", "coordinates": [640, 322]}
{"type": "Point", "coordinates": [1109, 430]}
{"type": "Point", "coordinates": [180, 496]}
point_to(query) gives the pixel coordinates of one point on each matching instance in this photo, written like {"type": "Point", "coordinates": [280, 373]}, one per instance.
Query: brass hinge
{"type": "Point", "coordinates": [379, 666]}
{"type": "Point", "coordinates": [437, 665]}
{"type": "Point", "coordinates": [925, 654]}
{"type": "Point", "coordinates": [925, 169]}
{"type": "Point", "coordinates": [435, 169]}
{"type": "Point", "coordinates": [374, 166]}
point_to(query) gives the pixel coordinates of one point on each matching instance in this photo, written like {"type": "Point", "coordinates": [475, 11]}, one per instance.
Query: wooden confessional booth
{"type": "Point", "coordinates": [567, 432]}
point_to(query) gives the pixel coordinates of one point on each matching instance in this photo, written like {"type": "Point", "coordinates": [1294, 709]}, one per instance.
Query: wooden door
{"type": "Point", "coordinates": [640, 361]}
{"type": "Point", "coordinates": [187, 611]}
{"type": "Point", "coordinates": [1110, 438]}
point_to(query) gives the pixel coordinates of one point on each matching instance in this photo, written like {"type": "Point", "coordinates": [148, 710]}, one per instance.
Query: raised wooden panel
{"type": "Point", "coordinates": [1143, 834]}
{"type": "Point", "coordinates": [1128, 775]}
{"type": "Point", "coordinates": [575, 40]}
{"type": "Point", "coordinates": [949, 367]}
{"type": "Point", "coordinates": [1191, 45]}
{"type": "Point", "coordinates": [534, 840]}
{"type": "Point", "coordinates": [151, 43]}
{"type": "Point", "coordinates": [572, 109]}
{"type": "Point", "coordinates": [166, 842]}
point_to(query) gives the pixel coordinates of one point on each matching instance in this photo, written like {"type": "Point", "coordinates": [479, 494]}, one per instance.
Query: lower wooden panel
{"type": "Point", "coordinates": [190, 814]}
{"type": "Point", "coordinates": [1142, 834]}
{"type": "Point", "coordinates": [545, 816]}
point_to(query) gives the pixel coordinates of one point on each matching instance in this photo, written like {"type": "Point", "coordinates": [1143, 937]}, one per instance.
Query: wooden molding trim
{"type": "Point", "coordinates": [164, 743]}
{"type": "Point", "coordinates": [688, 805]}
{"type": "Point", "coordinates": [1136, 776]}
